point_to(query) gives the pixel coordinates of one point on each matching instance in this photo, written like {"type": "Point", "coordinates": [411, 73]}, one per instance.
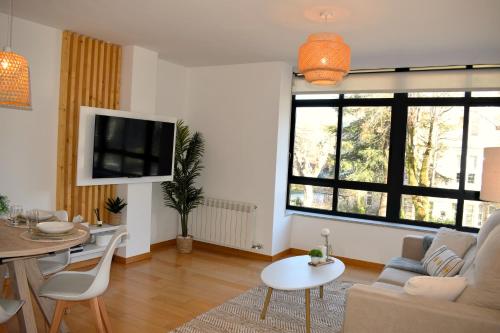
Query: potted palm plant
{"type": "Point", "coordinates": [115, 207]}
{"type": "Point", "coordinates": [181, 193]}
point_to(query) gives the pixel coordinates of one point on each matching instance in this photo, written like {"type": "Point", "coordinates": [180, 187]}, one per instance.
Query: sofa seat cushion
{"type": "Point", "coordinates": [406, 264]}
{"type": "Point", "coordinates": [388, 286]}
{"type": "Point", "coordinates": [396, 276]}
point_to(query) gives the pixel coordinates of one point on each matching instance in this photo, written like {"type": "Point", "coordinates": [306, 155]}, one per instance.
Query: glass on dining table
{"type": "Point", "coordinates": [15, 213]}
{"type": "Point", "coordinates": [32, 219]}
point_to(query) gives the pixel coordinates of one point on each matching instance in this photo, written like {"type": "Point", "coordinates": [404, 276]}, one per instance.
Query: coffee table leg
{"type": "Point", "coordinates": [321, 292]}
{"type": "Point", "coordinates": [266, 303]}
{"type": "Point", "coordinates": [308, 310]}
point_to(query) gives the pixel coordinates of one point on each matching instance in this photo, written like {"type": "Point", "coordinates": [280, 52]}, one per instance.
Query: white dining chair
{"type": "Point", "coordinates": [73, 286]}
{"type": "Point", "coordinates": [58, 261]}
{"type": "Point", "coordinates": [8, 308]}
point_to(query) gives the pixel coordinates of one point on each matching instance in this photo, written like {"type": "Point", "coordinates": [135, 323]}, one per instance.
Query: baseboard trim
{"type": "Point", "coordinates": [258, 256]}
{"type": "Point", "coordinates": [129, 260]}
{"type": "Point", "coordinates": [230, 251]}
{"type": "Point", "coordinates": [164, 244]}
{"type": "Point", "coordinates": [345, 260]}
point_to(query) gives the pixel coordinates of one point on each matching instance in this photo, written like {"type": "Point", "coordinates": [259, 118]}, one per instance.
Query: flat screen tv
{"type": "Point", "coordinates": [129, 147]}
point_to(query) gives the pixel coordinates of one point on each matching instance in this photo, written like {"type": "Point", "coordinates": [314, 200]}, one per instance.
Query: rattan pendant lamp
{"type": "Point", "coordinates": [14, 75]}
{"type": "Point", "coordinates": [324, 59]}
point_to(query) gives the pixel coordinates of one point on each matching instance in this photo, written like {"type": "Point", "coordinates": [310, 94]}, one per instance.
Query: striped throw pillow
{"type": "Point", "coordinates": [443, 262]}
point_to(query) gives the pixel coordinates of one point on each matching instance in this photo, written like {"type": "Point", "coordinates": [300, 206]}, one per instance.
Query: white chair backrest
{"type": "Point", "coordinates": [102, 271]}
{"type": "Point", "coordinates": [9, 308]}
{"type": "Point", "coordinates": [61, 215]}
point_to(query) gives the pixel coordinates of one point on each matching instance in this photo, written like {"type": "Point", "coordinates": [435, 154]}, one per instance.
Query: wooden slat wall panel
{"type": "Point", "coordinates": [90, 76]}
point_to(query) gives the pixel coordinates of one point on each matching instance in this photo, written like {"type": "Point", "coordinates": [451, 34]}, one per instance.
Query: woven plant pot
{"type": "Point", "coordinates": [184, 244]}
{"type": "Point", "coordinates": [115, 219]}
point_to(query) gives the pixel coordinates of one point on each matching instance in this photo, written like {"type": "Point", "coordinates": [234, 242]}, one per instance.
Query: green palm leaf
{"type": "Point", "coordinates": [181, 194]}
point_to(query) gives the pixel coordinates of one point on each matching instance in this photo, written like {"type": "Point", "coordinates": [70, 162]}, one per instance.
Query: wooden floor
{"type": "Point", "coordinates": [160, 294]}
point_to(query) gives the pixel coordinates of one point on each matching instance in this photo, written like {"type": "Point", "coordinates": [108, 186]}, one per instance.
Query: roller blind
{"type": "Point", "coordinates": [412, 81]}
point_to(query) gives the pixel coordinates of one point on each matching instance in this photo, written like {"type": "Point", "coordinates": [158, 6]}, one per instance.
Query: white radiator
{"type": "Point", "coordinates": [224, 222]}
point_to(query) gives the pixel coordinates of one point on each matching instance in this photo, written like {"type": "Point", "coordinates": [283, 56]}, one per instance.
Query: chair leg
{"type": "Point", "coordinates": [58, 313]}
{"type": "Point", "coordinates": [104, 315]}
{"type": "Point", "coordinates": [94, 306]}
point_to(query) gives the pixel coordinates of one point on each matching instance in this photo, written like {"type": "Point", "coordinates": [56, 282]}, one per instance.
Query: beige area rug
{"type": "Point", "coordinates": [286, 313]}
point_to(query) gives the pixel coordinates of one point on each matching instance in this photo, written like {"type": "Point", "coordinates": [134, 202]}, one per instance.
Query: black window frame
{"type": "Point", "coordinates": [394, 187]}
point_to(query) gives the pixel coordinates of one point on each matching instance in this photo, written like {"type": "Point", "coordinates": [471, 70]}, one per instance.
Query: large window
{"type": "Point", "coordinates": [411, 158]}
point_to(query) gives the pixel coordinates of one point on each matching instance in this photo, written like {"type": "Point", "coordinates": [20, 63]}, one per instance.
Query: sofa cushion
{"type": "Point", "coordinates": [491, 223]}
{"type": "Point", "coordinates": [396, 276]}
{"type": "Point", "coordinates": [484, 275]}
{"type": "Point", "coordinates": [457, 241]}
{"type": "Point", "coordinates": [468, 260]}
{"type": "Point", "coordinates": [444, 288]}
{"type": "Point", "coordinates": [443, 262]}
{"type": "Point", "coordinates": [407, 265]}
{"type": "Point", "coordinates": [389, 286]}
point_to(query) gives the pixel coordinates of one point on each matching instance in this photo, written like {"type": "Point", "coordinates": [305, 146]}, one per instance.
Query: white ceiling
{"type": "Point", "coordinates": [381, 33]}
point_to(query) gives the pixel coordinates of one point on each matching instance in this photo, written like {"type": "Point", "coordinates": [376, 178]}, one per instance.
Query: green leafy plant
{"type": "Point", "coordinates": [115, 205]}
{"type": "Point", "coordinates": [181, 194]}
{"type": "Point", "coordinates": [4, 204]}
{"type": "Point", "coordinates": [316, 253]}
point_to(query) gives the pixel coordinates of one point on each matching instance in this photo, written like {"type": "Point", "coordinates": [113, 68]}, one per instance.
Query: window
{"type": "Point", "coordinates": [407, 158]}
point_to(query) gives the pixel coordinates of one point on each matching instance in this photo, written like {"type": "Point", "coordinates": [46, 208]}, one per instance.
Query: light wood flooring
{"type": "Point", "coordinates": [162, 293]}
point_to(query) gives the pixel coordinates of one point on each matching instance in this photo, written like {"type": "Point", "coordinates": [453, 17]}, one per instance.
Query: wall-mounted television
{"type": "Point", "coordinates": [119, 147]}
{"type": "Point", "coordinates": [127, 147]}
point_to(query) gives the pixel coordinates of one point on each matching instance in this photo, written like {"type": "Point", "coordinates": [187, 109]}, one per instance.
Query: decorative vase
{"type": "Point", "coordinates": [184, 244]}
{"type": "Point", "coordinates": [315, 260]}
{"type": "Point", "coordinates": [115, 219]}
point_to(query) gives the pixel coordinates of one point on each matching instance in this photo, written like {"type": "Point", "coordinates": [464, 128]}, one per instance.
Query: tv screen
{"type": "Point", "coordinates": [127, 147]}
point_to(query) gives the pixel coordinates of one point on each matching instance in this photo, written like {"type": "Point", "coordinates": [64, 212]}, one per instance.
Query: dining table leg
{"type": "Point", "coordinates": [35, 280]}
{"type": "Point", "coordinates": [27, 321]}
{"type": "Point", "coordinates": [321, 292]}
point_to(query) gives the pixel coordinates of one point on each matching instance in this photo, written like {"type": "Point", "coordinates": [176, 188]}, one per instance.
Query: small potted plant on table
{"type": "Point", "coordinates": [316, 256]}
{"type": "Point", "coordinates": [115, 207]}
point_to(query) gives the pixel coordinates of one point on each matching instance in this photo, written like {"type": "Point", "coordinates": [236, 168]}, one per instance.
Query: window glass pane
{"type": "Point", "coordinates": [428, 209]}
{"type": "Point", "coordinates": [316, 96]}
{"type": "Point", "coordinates": [484, 131]}
{"type": "Point", "coordinates": [310, 196]}
{"type": "Point", "coordinates": [437, 94]}
{"type": "Point", "coordinates": [315, 142]}
{"type": "Point", "coordinates": [369, 95]}
{"type": "Point", "coordinates": [477, 212]}
{"type": "Point", "coordinates": [485, 93]}
{"type": "Point", "coordinates": [433, 146]}
{"type": "Point", "coordinates": [365, 144]}
{"type": "Point", "coordinates": [362, 202]}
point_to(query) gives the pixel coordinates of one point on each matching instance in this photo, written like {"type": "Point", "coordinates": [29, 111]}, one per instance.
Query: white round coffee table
{"type": "Point", "coordinates": [295, 273]}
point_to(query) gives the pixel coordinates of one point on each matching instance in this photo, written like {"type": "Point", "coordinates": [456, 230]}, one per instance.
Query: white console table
{"type": "Point", "coordinates": [91, 250]}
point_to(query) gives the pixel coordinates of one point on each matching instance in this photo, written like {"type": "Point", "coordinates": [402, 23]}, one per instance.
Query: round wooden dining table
{"type": "Point", "coordinates": [21, 257]}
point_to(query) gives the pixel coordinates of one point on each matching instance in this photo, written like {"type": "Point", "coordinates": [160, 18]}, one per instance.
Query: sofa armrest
{"type": "Point", "coordinates": [413, 247]}
{"type": "Point", "coordinates": [379, 310]}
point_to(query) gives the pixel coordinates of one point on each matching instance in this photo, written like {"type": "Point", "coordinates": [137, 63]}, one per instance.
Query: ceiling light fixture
{"type": "Point", "coordinates": [14, 75]}
{"type": "Point", "coordinates": [324, 59]}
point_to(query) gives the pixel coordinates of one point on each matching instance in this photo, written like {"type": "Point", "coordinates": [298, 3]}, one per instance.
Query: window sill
{"type": "Point", "coordinates": [363, 221]}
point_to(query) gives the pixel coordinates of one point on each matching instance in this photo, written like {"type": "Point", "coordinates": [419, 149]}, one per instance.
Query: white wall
{"type": "Point", "coordinates": [237, 109]}
{"type": "Point", "coordinates": [171, 93]}
{"type": "Point", "coordinates": [138, 94]}
{"type": "Point", "coordinates": [28, 139]}
{"type": "Point", "coordinates": [375, 243]}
